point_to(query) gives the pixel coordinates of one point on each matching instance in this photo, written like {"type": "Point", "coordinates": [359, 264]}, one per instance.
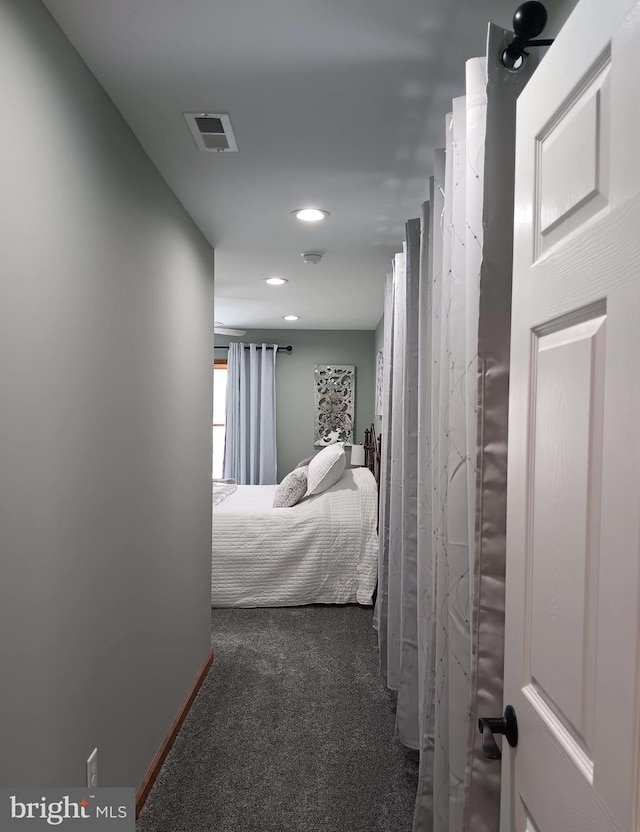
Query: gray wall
{"type": "Point", "coordinates": [295, 405]}
{"type": "Point", "coordinates": [105, 438]}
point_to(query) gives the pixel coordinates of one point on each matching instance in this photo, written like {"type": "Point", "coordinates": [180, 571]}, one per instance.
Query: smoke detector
{"type": "Point", "coordinates": [311, 256]}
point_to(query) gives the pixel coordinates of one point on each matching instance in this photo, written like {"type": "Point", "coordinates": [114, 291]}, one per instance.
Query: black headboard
{"type": "Point", "coordinates": [372, 449]}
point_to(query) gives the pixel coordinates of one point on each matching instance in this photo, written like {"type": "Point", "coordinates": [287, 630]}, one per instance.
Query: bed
{"type": "Point", "coordinates": [324, 550]}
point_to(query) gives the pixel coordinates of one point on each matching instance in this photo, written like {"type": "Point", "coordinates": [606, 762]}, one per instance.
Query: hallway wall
{"type": "Point", "coordinates": [105, 434]}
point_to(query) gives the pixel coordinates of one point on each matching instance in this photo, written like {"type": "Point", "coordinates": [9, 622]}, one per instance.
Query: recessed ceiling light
{"type": "Point", "coordinates": [275, 281]}
{"type": "Point", "coordinates": [310, 214]}
{"type": "Point", "coordinates": [291, 317]}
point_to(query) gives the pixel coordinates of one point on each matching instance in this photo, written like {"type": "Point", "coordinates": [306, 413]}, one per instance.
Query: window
{"type": "Point", "coordinates": [219, 408]}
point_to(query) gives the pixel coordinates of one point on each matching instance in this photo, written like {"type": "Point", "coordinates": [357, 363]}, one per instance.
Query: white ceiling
{"type": "Point", "coordinates": [336, 104]}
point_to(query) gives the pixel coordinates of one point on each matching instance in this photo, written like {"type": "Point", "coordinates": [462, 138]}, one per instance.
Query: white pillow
{"type": "Point", "coordinates": [326, 468]}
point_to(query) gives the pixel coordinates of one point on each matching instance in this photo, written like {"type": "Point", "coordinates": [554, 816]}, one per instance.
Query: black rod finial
{"type": "Point", "coordinates": [529, 20]}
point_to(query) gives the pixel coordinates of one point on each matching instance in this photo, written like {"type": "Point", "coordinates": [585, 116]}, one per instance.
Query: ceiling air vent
{"type": "Point", "coordinates": [212, 131]}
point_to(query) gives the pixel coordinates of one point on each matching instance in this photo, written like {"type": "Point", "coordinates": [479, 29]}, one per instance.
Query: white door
{"type": "Point", "coordinates": [573, 527]}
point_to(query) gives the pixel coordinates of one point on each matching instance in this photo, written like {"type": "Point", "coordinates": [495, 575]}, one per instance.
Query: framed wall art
{"type": "Point", "coordinates": [335, 392]}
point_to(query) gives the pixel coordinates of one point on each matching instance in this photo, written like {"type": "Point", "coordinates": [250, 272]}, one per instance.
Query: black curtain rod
{"type": "Point", "coordinates": [280, 349]}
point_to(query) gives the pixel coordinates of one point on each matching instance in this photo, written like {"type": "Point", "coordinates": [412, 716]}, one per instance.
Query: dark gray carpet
{"type": "Point", "coordinates": [292, 731]}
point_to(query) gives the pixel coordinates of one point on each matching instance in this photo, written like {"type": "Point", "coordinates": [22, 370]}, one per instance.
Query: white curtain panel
{"type": "Point", "coordinates": [451, 469]}
{"type": "Point", "coordinates": [407, 715]}
{"type": "Point", "coordinates": [393, 613]}
{"type": "Point", "coordinates": [495, 173]}
{"type": "Point", "coordinates": [440, 609]}
{"type": "Point", "coordinates": [380, 613]}
{"type": "Point", "coordinates": [250, 456]}
{"type": "Point", "coordinates": [430, 301]}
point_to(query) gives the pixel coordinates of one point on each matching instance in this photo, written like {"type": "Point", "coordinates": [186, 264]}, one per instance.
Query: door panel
{"type": "Point", "coordinates": [565, 493]}
{"type": "Point", "coordinates": [572, 181]}
{"type": "Point", "coordinates": [573, 516]}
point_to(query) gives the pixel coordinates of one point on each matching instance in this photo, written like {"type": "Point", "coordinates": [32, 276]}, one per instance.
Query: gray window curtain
{"type": "Point", "coordinates": [440, 608]}
{"type": "Point", "coordinates": [250, 456]}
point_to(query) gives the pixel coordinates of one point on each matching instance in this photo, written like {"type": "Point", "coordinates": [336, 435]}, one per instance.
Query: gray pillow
{"type": "Point", "coordinates": [304, 462]}
{"type": "Point", "coordinates": [292, 488]}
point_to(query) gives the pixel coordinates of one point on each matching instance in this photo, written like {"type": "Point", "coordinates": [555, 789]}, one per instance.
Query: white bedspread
{"type": "Point", "coordinates": [324, 550]}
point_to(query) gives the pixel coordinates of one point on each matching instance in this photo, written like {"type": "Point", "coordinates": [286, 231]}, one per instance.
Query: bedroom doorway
{"type": "Point", "coordinates": [219, 414]}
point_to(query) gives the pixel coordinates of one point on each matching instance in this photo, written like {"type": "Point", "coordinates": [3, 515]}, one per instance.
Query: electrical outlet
{"type": "Point", "coordinates": [92, 769]}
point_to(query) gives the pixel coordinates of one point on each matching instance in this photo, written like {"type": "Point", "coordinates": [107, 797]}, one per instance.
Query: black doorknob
{"type": "Point", "coordinates": [507, 725]}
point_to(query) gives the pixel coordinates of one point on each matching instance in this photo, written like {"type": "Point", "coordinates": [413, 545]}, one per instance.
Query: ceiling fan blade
{"type": "Point", "coordinates": [223, 330]}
